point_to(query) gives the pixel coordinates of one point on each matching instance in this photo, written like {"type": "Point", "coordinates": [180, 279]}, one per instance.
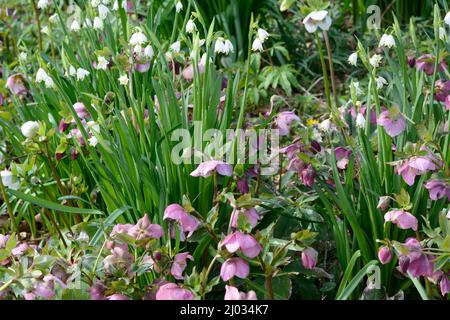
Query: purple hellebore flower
{"type": "Point", "coordinates": [232, 293]}
{"type": "Point", "coordinates": [426, 63]}
{"type": "Point", "coordinates": [411, 61]}
{"type": "Point", "coordinates": [307, 176]}
{"type": "Point", "coordinates": [309, 258]}
{"type": "Point", "coordinates": [234, 267]}
{"type": "Point", "coordinates": [284, 120]}
{"type": "Point", "coordinates": [384, 254]}
{"type": "Point", "coordinates": [81, 110]}
{"type": "Point", "coordinates": [442, 90]}
{"type": "Point", "coordinates": [179, 264]}
{"type": "Point", "coordinates": [444, 285]}
{"type": "Point", "coordinates": [144, 229]}
{"type": "Point", "coordinates": [63, 125]}
{"type": "Point", "coordinates": [206, 168]}
{"type": "Point", "coordinates": [142, 67]}
{"type": "Point", "coordinates": [119, 258]}
{"type": "Point", "coordinates": [238, 240]}
{"type": "Point", "coordinates": [242, 186]}
{"type": "Point", "coordinates": [416, 262]}
{"type": "Point", "coordinates": [170, 291]}
{"type": "Point", "coordinates": [77, 133]}
{"type": "Point", "coordinates": [403, 219]}
{"type": "Point", "coordinates": [393, 122]}
{"type": "Point", "coordinates": [438, 189]}
{"type": "Point", "coordinates": [97, 290]}
{"type": "Point", "coordinates": [121, 229]}
{"type": "Point", "coordinates": [20, 249]}
{"type": "Point", "coordinates": [251, 215]}
{"type": "Point", "coordinates": [15, 83]}
{"type": "Point", "coordinates": [186, 222]}
{"type": "Point", "coordinates": [342, 157]}
{"type": "Point", "coordinates": [291, 150]}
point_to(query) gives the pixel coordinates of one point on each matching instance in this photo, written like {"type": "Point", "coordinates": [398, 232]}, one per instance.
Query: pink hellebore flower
{"type": "Point", "coordinates": [121, 229]}
{"type": "Point", "coordinates": [186, 222]}
{"type": "Point", "coordinates": [251, 215]}
{"type": "Point", "coordinates": [20, 249]}
{"type": "Point", "coordinates": [309, 258]}
{"type": "Point", "coordinates": [205, 169]}
{"type": "Point", "coordinates": [142, 67]}
{"type": "Point", "coordinates": [438, 189]}
{"type": "Point", "coordinates": [284, 120]}
{"type": "Point", "coordinates": [97, 290]}
{"type": "Point", "coordinates": [15, 83]}
{"type": "Point", "coordinates": [403, 219]}
{"type": "Point", "coordinates": [393, 122]}
{"type": "Point", "coordinates": [144, 229]}
{"type": "Point", "coordinates": [179, 264]}
{"type": "Point", "coordinates": [426, 63]}
{"type": "Point", "coordinates": [238, 240]}
{"type": "Point", "coordinates": [342, 157]}
{"type": "Point", "coordinates": [415, 166]}
{"type": "Point", "coordinates": [170, 291]}
{"type": "Point", "coordinates": [120, 258]}
{"type": "Point", "coordinates": [442, 90]}
{"type": "Point", "coordinates": [232, 293]}
{"type": "Point", "coordinates": [117, 296]}
{"type": "Point", "coordinates": [384, 255]}
{"type": "Point", "coordinates": [234, 267]}
{"type": "Point", "coordinates": [447, 103]}
{"type": "Point", "coordinates": [81, 110]}
{"type": "Point", "coordinates": [444, 285]}
{"type": "Point", "coordinates": [416, 262]}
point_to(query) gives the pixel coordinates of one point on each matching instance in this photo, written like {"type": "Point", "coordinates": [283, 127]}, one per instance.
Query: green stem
{"type": "Point", "coordinates": [330, 63]}
{"type": "Point", "coordinates": [8, 206]}
{"type": "Point", "coordinates": [38, 22]}
{"type": "Point", "coordinates": [324, 71]}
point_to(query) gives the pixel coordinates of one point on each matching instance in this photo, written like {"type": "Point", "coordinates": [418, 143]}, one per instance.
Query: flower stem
{"type": "Point", "coordinates": [8, 206]}
{"type": "Point", "coordinates": [38, 22]}
{"type": "Point", "coordinates": [330, 63]}
{"type": "Point", "coordinates": [324, 71]}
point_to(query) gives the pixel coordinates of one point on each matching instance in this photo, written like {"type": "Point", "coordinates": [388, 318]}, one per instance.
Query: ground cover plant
{"type": "Point", "coordinates": [237, 150]}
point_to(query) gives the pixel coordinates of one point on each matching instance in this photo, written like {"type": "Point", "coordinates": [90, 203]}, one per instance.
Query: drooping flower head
{"type": "Point", "coordinates": [393, 122]}
{"type": "Point", "coordinates": [403, 219]}
{"type": "Point", "coordinates": [16, 84]}
{"type": "Point", "coordinates": [207, 168]}
{"type": "Point", "coordinates": [426, 63]}
{"type": "Point", "coordinates": [438, 189]}
{"type": "Point", "coordinates": [284, 120]}
{"type": "Point", "coordinates": [232, 293]}
{"type": "Point", "coordinates": [245, 242]}
{"type": "Point", "coordinates": [317, 19]}
{"type": "Point", "coordinates": [186, 222]}
{"type": "Point", "coordinates": [234, 267]}
{"type": "Point", "coordinates": [179, 264]}
{"type": "Point", "coordinates": [309, 258]}
{"type": "Point", "coordinates": [171, 291]}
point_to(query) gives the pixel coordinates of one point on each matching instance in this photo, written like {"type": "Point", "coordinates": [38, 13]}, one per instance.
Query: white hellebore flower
{"type": "Point", "coordinates": [95, 3]}
{"type": "Point", "coordinates": [178, 6]}
{"type": "Point", "coordinates": [148, 52]}
{"type": "Point", "coordinates": [317, 19]}
{"type": "Point", "coordinates": [102, 63]}
{"type": "Point", "coordinates": [103, 11]}
{"type": "Point", "coordinates": [353, 59]}
{"type": "Point", "coordinates": [387, 40]}
{"type": "Point", "coordinates": [381, 82]}
{"type": "Point", "coordinates": [98, 23]}
{"type": "Point", "coordinates": [42, 4]}
{"type": "Point", "coordinates": [81, 74]}
{"type": "Point", "coordinates": [9, 180]}
{"type": "Point", "coordinates": [30, 129]}
{"type": "Point", "coordinates": [75, 26]}
{"type": "Point", "coordinates": [447, 18]}
{"type": "Point", "coordinates": [257, 45]}
{"type": "Point", "coordinates": [123, 79]}
{"type": "Point", "coordinates": [22, 56]}
{"type": "Point", "coordinates": [360, 121]}
{"type": "Point", "coordinates": [190, 26]}
{"type": "Point", "coordinates": [176, 46]}
{"type": "Point", "coordinates": [375, 60]}
{"type": "Point", "coordinates": [138, 38]}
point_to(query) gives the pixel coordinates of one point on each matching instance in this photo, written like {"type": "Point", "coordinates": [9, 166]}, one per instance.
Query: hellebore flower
{"type": "Point", "coordinates": [415, 166]}
{"type": "Point", "coordinates": [234, 267]}
{"type": "Point", "coordinates": [81, 110]}
{"type": "Point", "coordinates": [342, 157]}
{"type": "Point", "coordinates": [186, 222]}
{"type": "Point", "coordinates": [403, 219]}
{"type": "Point", "coordinates": [309, 258]}
{"type": "Point", "coordinates": [238, 240]}
{"type": "Point", "coordinates": [438, 189]}
{"type": "Point", "coordinates": [117, 296]}
{"type": "Point", "coordinates": [9, 180]}
{"type": "Point", "coordinates": [15, 83]}
{"type": "Point", "coordinates": [242, 186]}
{"type": "Point", "coordinates": [232, 293]}
{"type": "Point", "coordinates": [307, 175]}
{"type": "Point", "coordinates": [444, 284]}
{"type": "Point", "coordinates": [170, 291]}
{"type": "Point", "coordinates": [144, 229]}
{"type": "Point", "coordinates": [393, 122]}
{"type": "Point", "coordinates": [442, 90]}
{"type": "Point", "coordinates": [179, 264]}
{"type": "Point", "coordinates": [97, 290]}
{"type": "Point", "coordinates": [141, 68]}
{"type": "Point", "coordinates": [30, 129]}
{"type": "Point", "coordinates": [120, 258]}
{"type": "Point", "coordinates": [251, 215]}
{"type": "Point", "coordinates": [416, 262]}
{"type": "Point", "coordinates": [206, 168]}
{"type": "Point", "coordinates": [384, 254]}
{"type": "Point", "coordinates": [447, 103]}
{"type": "Point", "coordinates": [411, 61]}
{"type": "Point", "coordinates": [317, 19]}
{"type": "Point", "coordinates": [426, 63]}
{"type": "Point", "coordinates": [284, 120]}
